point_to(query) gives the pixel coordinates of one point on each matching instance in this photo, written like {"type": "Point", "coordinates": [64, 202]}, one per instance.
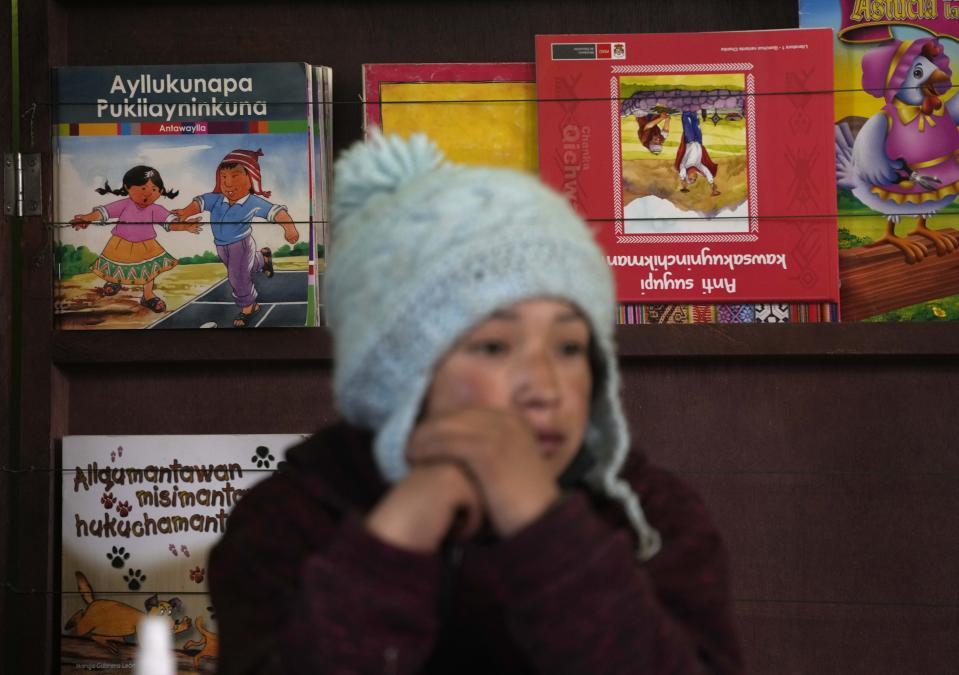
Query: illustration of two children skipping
{"type": "Point", "coordinates": [134, 257]}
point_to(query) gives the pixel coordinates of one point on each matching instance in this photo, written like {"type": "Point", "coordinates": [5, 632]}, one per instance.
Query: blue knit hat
{"type": "Point", "coordinates": [422, 251]}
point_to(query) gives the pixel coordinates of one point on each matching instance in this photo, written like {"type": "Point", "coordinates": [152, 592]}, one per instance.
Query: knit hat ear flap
{"type": "Point", "coordinates": [381, 166]}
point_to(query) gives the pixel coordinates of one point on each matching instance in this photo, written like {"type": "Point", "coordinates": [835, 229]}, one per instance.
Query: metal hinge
{"type": "Point", "coordinates": [21, 184]}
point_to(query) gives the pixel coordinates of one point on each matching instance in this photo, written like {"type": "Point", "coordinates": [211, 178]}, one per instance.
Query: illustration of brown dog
{"type": "Point", "coordinates": [210, 644]}
{"type": "Point", "coordinates": [107, 622]}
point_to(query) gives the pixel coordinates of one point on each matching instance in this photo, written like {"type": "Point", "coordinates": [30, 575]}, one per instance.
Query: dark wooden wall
{"type": "Point", "coordinates": [826, 453]}
{"type": "Point", "coordinates": [7, 441]}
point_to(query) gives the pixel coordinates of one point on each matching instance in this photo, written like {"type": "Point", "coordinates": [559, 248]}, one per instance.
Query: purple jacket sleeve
{"type": "Point", "coordinates": [582, 603]}
{"type": "Point", "coordinates": [299, 591]}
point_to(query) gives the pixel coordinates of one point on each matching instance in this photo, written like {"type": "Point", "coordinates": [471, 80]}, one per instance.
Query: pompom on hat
{"type": "Point", "coordinates": [422, 251]}
{"type": "Point", "coordinates": [885, 68]}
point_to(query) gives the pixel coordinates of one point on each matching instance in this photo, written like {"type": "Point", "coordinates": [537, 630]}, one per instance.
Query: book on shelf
{"type": "Point", "coordinates": [189, 196]}
{"type": "Point", "coordinates": [897, 156]}
{"type": "Point", "coordinates": [485, 114]}
{"type": "Point", "coordinates": [322, 173]}
{"type": "Point", "coordinates": [139, 517]}
{"type": "Point", "coordinates": [477, 113]}
{"type": "Point", "coordinates": [701, 164]}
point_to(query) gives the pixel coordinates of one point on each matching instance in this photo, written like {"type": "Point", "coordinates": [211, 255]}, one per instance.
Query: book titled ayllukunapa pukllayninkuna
{"type": "Point", "coordinates": [184, 196]}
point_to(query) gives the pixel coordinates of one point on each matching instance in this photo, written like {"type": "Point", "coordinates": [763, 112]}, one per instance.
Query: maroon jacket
{"type": "Point", "coordinates": [299, 586]}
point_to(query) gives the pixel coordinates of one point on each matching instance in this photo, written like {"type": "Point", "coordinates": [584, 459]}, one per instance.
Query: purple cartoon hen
{"type": "Point", "coordinates": [905, 159]}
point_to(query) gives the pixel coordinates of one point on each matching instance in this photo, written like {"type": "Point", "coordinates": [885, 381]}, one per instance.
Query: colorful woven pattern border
{"type": "Point", "coordinates": [630, 314]}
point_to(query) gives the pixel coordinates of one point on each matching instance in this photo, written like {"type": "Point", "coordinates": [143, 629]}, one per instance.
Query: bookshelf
{"type": "Point", "coordinates": [787, 341]}
{"type": "Point", "coordinates": [829, 480]}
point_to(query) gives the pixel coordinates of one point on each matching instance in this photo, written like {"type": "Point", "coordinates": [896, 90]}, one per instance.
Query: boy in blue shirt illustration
{"type": "Point", "coordinates": [692, 156]}
{"type": "Point", "coordinates": [236, 200]}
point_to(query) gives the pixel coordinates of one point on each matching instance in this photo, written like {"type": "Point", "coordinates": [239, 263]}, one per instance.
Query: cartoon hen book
{"type": "Point", "coordinates": [699, 160]}
{"type": "Point", "coordinates": [184, 196]}
{"type": "Point", "coordinates": [897, 156]}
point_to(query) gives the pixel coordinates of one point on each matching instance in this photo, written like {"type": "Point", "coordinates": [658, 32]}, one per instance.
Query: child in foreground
{"type": "Point", "coordinates": [478, 510]}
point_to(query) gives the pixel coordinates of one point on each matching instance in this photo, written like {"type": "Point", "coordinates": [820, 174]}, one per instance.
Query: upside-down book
{"type": "Point", "coordinates": [702, 161]}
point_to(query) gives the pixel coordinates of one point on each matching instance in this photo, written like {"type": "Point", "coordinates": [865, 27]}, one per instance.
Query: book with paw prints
{"type": "Point", "coordinates": [139, 517]}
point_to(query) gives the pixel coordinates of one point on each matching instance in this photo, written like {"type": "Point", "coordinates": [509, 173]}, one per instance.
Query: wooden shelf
{"type": "Point", "coordinates": [750, 341]}
{"type": "Point", "coordinates": [191, 346]}
{"type": "Point", "coordinates": [802, 439]}
{"type": "Point", "coordinates": [824, 340]}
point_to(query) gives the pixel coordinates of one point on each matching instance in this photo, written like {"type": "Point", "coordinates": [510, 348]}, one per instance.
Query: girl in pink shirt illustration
{"type": "Point", "coordinates": [133, 256]}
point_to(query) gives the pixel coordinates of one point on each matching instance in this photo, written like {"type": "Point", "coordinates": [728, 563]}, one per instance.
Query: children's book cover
{"type": "Point", "coordinates": [485, 114]}
{"type": "Point", "coordinates": [478, 113]}
{"type": "Point", "coordinates": [897, 156]}
{"type": "Point", "coordinates": [184, 196]}
{"type": "Point", "coordinates": [699, 161]}
{"type": "Point", "coordinates": [139, 517]}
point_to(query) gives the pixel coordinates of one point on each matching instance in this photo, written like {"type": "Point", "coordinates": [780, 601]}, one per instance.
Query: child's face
{"type": "Point", "coordinates": [531, 358]}
{"type": "Point", "coordinates": [144, 195]}
{"type": "Point", "coordinates": [656, 143]}
{"type": "Point", "coordinates": [235, 183]}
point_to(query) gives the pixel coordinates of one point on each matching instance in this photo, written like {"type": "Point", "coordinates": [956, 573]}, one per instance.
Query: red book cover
{"type": "Point", "coordinates": [703, 161]}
